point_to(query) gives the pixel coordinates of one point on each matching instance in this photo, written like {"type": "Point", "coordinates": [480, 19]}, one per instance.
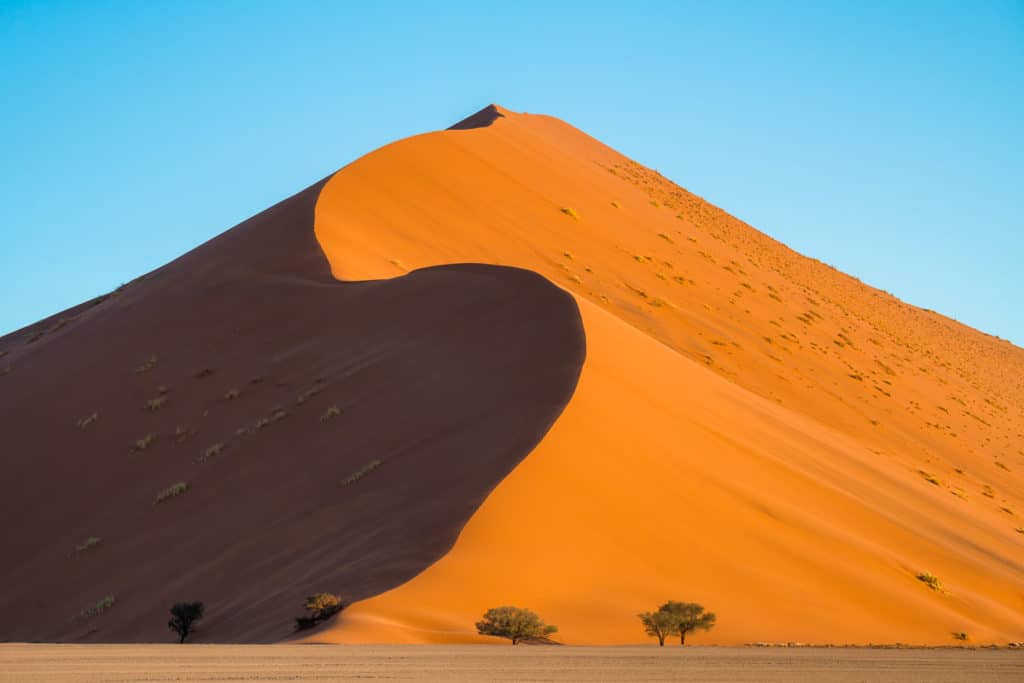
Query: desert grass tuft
{"type": "Point", "coordinates": [155, 404]}
{"type": "Point", "coordinates": [211, 452]}
{"type": "Point", "coordinates": [148, 365]}
{"type": "Point", "coordinates": [362, 472]}
{"type": "Point", "coordinates": [232, 394]}
{"type": "Point", "coordinates": [143, 443]}
{"type": "Point", "coordinates": [331, 413]}
{"type": "Point", "coordinates": [931, 581]}
{"type": "Point", "coordinates": [87, 420]}
{"type": "Point", "coordinates": [172, 491]}
{"type": "Point", "coordinates": [101, 606]}
{"type": "Point", "coordinates": [571, 213]}
{"type": "Point", "coordinates": [88, 544]}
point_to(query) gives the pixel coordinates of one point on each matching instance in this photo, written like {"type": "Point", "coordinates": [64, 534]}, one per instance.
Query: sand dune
{"type": "Point", "coordinates": [752, 430]}
{"type": "Point", "coordinates": [225, 366]}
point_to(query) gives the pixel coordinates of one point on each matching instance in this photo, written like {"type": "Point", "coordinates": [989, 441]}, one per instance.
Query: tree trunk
{"type": "Point", "coordinates": [182, 635]}
{"type": "Point", "coordinates": [515, 640]}
{"type": "Point", "coordinates": [661, 641]}
{"type": "Point", "coordinates": [682, 637]}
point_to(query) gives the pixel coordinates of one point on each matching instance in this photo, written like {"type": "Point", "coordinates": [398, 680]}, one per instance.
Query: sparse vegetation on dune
{"type": "Point", "coordinates": [102, 605]}
{"type": "Point", "coordinates": [932, 581]}
{"type": "Point", "coordinates": [331, 413]}
{"type": "Point", "coordinates": [172, 491]}
{"type": "Point", "coordinates": [88, 544]}
{"type": "Point", "coordinates": [571, 213]}
{"type": "Point", "coordinates": [321, 606]}
{"type": "Point", "coordinates": [148, 365]}
{"type": "Point", "coordinates": [362, 472]}
{"type": "Point", "coordinates": [143, 443]}
{"type": "Point", "coordinates": [84, 422]}
{"type": "Point", "coordinates": [155, 404]}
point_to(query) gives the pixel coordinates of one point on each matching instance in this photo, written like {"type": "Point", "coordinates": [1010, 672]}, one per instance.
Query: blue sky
{"type": "Point", "coordinates": [884, 138]}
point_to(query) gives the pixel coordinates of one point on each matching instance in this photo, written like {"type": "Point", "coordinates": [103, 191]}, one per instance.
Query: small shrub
{"type": "Point", "coordinates": [232, 394]}
{"type": "Point", "coordinates": [87, 420]}
{"type": "Point", "coordinates": [155, 404]}
{"type": "Point", "coordinates": [571, 213]}
{"type": "Point", "coordinates": [211, 452]}
{"type": "Point", "coordinates": [88, 544]}
{"type": "Point", "coordinates": [100, 607]}
{"type": "Point", "coordinates": [321, 606]}
{"type": "Point", "coordinates": [308, 394]}
{"type": "Point", "coordinates": [205, 372]}
{"type": "Point", "coordinates": [332, 412]}
{"type": "Point", "coordinates": [616, 205]}
{"type": "Point", "coordinates": [148, 365]}
{"type": "Point", "coordinates": [931, 581]}
{"type": "Point", "coordinates": [362, 472]}
{"type": "Point", "coordinates": [161, 389]}
{"type": "Point", "coordinates": [171, 491]}
{"type": "Point", "coordinates": [930, 478]}
{"type": "Point", "coordinates": [959, 635]}
{"type": "Point", "coordinates": [143, 443]}
{"type": "Point", "coordinates": [256, 380]}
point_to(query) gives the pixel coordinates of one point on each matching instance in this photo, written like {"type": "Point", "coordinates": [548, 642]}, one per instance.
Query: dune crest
{"type": "Point", "coordinates": [752, 430]}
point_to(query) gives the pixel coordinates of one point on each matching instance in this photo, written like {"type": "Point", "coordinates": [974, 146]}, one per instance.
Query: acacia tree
{"type": "Point", "coordinates": [688, 616]}
{"type": "Point", "coordinates": [183, 616]}
{"type": "Point", "coordinates": [658, 624]}
{"type": "Point", "coordinates": [514, 623]}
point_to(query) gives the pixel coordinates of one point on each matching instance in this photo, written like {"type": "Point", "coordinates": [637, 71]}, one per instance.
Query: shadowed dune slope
{"type": "Point", "coordinates": [223, 370]}
{"type": "Point", "coordinates": [752, 430]}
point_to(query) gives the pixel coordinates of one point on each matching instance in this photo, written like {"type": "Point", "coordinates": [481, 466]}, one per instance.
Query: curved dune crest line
{"type": "Point", "coordinates": [752, 429]}
{"type": "Point", "coordinates": [328, 436]}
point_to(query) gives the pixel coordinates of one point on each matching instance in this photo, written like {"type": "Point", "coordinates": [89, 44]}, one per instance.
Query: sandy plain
{"type": "Point", "coordinates": [60, 663]}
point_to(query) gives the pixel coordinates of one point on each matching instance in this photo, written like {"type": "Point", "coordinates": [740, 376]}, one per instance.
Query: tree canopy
{"type": "Point", "coordinates": [514, 623]}
{"type": "Point", "coordinates": [687, 617]}
{"type": "Point", "coordinates": [658, 624]}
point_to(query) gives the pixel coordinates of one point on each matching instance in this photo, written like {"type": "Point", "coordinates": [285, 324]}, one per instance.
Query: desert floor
{"type": "Point", "coordinates": [37, 662]}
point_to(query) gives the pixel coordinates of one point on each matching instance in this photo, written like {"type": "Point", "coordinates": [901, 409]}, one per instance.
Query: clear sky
{"type": "Point", "coordinates": [885, 138]}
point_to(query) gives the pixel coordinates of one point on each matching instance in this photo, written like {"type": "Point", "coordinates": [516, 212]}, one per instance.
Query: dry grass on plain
{"type": "Point", "coordinates": [63, 663]}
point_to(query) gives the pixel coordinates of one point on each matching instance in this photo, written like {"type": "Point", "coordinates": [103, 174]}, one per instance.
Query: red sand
{"type": "Point", "coordinates": [752, 429]}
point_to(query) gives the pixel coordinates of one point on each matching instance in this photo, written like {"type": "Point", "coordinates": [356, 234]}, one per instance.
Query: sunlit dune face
{"type": "Point", "coordinates": [752, 429]}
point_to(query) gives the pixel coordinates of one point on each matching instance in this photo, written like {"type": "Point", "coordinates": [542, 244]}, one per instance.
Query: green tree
{"type": "Point", "coordinates": [183, 617]}
{"type": "Point", "coordinates": [658, 624]}
{"type": "Point", "coordinates": [688, 616]}
{"type": "Point", "coordinates": [514, 623]}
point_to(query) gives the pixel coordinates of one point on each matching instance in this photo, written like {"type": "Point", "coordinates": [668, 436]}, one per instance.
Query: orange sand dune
{"type": "Point", "coordinates": [752, 429]}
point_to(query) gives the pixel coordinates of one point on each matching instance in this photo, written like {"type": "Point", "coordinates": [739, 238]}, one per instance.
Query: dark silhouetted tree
{"type": "Point", "coordinates": [514, 623]}
{"type": "Point", "coordinates": [659, 624]}
{"type": "Point", "coordinates": [183, 617]}
{"type": "Point", "coordinates": [688, 616]}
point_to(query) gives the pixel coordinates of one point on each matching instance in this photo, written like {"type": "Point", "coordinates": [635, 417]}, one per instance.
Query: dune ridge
{"type": "Point", "coordinates": [811, 443]}
{"type": "Point", "coordinates": [240, 428]}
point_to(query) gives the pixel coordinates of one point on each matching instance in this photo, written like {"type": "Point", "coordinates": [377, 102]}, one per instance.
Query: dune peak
{"type": "Point", "coordinates": [481, 119]}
